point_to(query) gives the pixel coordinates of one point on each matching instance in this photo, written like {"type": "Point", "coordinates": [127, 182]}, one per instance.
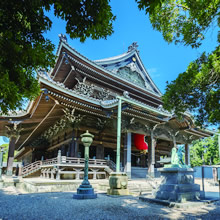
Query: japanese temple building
{"type": "Point", "coordinates": [113, 98]}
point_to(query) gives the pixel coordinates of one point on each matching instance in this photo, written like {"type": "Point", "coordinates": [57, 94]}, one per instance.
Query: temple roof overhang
{"type": "Point", "coordinates": [71, 65]}
{"type": "Point", "coordinates": [130, 67]}
{"type": "Point", "coordinates": [90, 88]}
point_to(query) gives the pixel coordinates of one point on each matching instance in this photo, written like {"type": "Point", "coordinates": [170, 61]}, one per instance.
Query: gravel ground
{"type": "Point", "coordinates": [62, 206]}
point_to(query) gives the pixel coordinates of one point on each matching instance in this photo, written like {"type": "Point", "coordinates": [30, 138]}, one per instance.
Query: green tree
{"type": "Point", "coordinates": [186, 22]}
{"type": "Point", "coordinates": [5, 155]}
{"type": "Point", "coordinates": [205, 151]}
{"type": "Point", "coordinates": [24, 49]}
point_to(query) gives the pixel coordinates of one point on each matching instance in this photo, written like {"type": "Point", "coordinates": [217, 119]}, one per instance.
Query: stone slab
{"type": "Point", "coordinates": [118, 192]}
{"type": "Point", "coordinates": [175, 169]}
{"type": "Point", "coordinates": [85, 196]}
{"type": "Point", "coordinates": [186, 205]}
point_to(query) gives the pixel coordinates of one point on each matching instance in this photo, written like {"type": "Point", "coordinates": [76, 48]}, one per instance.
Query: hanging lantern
{"type": "Point", "coordinates": [140, 144]}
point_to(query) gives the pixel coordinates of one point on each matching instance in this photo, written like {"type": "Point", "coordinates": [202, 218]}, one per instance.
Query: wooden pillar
{"type": "Point", "coordinates": [63, 150]}
{"type": "Point", "coordinates": [76, 148]}
{"type": "Point", "coordinates": [143, 160]}
{"type": "Point", "coordinates": [127, 154]}
{"type": "Point", "coordinates": [187, 155]}
{"type": "Point", "coordinates": [151, 155]}
{"type": "Point", "coordinates": [99, 151]}
{"type": "Point", "coordinates": [33, 154]}
{"type": "Point", "coordinates": [72, 145]}
{"type": "Point", "coordinates": [11, 151]}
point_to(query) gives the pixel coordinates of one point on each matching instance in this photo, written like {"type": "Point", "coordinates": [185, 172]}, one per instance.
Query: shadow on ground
{"type": "Point", "coordinates": [61, 205]}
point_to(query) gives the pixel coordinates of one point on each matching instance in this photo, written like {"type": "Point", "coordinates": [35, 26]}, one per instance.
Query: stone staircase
{"type": "Point", "coordinates": [139, 187]}
{"type": "Point", "coordinates": [138, 172]}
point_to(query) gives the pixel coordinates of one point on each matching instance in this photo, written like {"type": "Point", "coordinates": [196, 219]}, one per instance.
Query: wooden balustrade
{"type": "Point", "coordinates": [55, 167]}
{"type": "Point", "coordinates": [111, 164]}
{"type": "Point", "coordinates": [50, 161]}
{"type": "Point", "coordinates": [30, 167]}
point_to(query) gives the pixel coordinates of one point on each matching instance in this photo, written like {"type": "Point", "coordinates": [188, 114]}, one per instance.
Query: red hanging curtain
{"type": "Point", "coordinates": [139, 142]}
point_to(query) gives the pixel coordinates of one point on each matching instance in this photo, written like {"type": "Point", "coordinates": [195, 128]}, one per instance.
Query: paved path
{"type": "Point", "coordinates": [41, 206]}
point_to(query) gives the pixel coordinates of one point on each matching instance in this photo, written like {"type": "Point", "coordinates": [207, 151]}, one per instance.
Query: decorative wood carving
{"type": "Point", "coordinates": [83, 88]}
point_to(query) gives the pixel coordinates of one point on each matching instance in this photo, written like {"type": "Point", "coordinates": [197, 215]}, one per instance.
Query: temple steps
{"type": "Point", "coordinates": [32, 173]}
{"type": "Point", "coordinates": [138, 172]}
{"type": "Point", "coordinates": [139, 187]}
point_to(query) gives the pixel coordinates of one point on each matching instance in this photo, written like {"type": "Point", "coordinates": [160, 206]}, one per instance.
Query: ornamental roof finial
{"type": "Point", "coordinates": [63, 37]}
{"type": "Point", "coordinates": [133, 46]}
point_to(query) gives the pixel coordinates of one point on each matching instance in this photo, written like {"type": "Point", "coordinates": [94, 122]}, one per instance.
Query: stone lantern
{"type": "Point", "coordinates": [85, 190]}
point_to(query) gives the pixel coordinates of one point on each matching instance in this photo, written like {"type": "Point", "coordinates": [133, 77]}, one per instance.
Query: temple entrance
{"type": "Point", "coordinates": [109, 154]}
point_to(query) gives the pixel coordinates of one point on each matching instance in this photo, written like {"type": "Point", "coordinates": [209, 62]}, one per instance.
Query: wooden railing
{"type": "Point", "coordinates": [73, 160]}
{"type": "Point", "coordinates": [31, 166]}
{"type": "Point", "coordinates": [68, 161]}
{"type": "Point", "coordinates": [111, 164]}
{"type": "Point", "coordinates": [50, 161]}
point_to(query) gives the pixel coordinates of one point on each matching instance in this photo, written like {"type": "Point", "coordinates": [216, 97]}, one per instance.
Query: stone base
{"type": "Point", "coordinates": [176, 196]}
{"type": "Point", "coordinates": [85, 193]}
{"type": "Point", "coordinates": [1, 184]}
{"type": "Point", "coordinates": [178, 185]}
{"type": "Point", "coordinates": [118, 183]}
{"type": "Point", "coordinates": [118, 192]}
{"type": "Point", "coordinates": [185, 205]}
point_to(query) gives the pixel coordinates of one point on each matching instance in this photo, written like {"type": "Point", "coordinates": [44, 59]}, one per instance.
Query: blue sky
{"type": "Point", "coordinates": [162, 60]}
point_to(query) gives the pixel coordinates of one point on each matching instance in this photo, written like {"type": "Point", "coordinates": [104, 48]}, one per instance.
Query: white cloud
{"type": "Point", "coordinates": [153, 72]}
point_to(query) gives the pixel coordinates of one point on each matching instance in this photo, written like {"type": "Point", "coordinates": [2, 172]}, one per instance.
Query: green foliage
{"type": "Point", "coordinates": [5, 155]}
{"type": "Point", "coordinates": [24, 50]}
{"type": "Point", "coordinates": [182, 21]}
{"type": "Point", "coordinates": [186, 21]}
{"type": "Point", "coordinates": [197, 89]}
{"type": "Point", "coordinates": [205, 151]}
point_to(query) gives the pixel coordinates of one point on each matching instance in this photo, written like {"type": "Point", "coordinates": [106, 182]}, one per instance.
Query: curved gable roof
{"type": "Point", "coordinates": [130, 60]}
